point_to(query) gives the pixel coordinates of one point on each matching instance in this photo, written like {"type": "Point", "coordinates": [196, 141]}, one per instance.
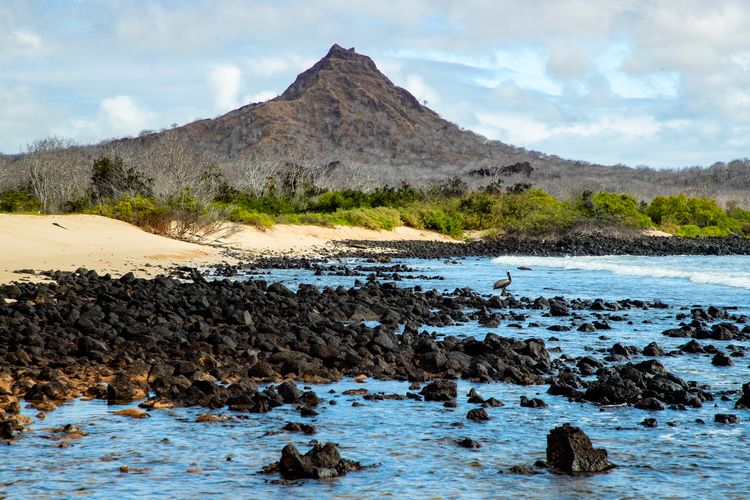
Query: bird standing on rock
{"type": "Point", "coordinates": [503, 283]}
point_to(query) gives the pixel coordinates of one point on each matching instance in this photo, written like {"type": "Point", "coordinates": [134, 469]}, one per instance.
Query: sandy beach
{"type": "Point", "coordinates": [67, 242]}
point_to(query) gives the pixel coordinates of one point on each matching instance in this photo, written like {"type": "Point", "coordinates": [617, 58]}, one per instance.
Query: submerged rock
{"type": "Point", "coordinates": [468, 443]}
{"type": "Point", "coordinates": [521, 470]}
{"type": "Point", "coordinates": [569, 451]}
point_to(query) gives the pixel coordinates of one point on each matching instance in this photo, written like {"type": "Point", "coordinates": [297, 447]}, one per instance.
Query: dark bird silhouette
{"type": "Point", "coordinates": [58, 225]}
{"type": "Point", "coordinates": [503, 283]}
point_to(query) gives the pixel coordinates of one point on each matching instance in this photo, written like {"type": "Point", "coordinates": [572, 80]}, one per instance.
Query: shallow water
{"type": "Point", "coordinates": [412, 444]}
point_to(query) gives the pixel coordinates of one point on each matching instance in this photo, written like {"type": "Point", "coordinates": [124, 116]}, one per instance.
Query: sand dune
{"type": "Point", "coordinates": [67, 242]}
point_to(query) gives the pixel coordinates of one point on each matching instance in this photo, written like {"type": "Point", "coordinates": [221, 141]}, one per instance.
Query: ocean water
{"type": "Point", "coordinates": [410, 445]}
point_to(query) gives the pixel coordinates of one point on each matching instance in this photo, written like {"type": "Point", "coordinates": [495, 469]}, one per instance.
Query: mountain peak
{"type": "Point", "coordinates": [342, 106]}
{"type": "Point", "coordinates": [340, 52]}
{"type": "Point", "coordinates": [338, 61]}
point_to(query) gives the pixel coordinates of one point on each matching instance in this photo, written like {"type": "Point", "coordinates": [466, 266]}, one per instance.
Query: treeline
{"type": "Point", "coordinates": [175, 191]}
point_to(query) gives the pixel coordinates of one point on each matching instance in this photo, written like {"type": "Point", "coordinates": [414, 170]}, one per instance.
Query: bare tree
{"type": "Point", "coordinates": [57, 171]}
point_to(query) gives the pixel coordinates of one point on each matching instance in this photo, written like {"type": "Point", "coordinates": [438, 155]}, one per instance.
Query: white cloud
{"type": "Point", "coordinates": [225, 86]}
{"type": "Point", "coordinates": [261, 96]}
{"type": "Point", "coordinates": [557, 74]}
{"type": "Point", "coordinates": [24, 39]}
{"type": "Point", "coordinates": [20, 43]}
{"type": "Point", "coordinates": [121, 114]}
{"type": "Point", "coordinates": [417, 86]}
{"type": "Point", "coordinates": [273, 65]}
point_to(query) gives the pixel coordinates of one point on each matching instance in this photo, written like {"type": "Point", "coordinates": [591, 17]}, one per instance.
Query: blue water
{"type": "Point", "coordinates": [411, 444]}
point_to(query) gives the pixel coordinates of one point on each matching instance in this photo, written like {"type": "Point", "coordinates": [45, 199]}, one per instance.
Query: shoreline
{"type": "Point", "coordinates": [37, 244]}
{"type": "Point", "coordinates": [228, 351]}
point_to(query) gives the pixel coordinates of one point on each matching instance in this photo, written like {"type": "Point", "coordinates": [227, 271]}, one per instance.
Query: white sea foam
{"type": "Point", "coordinates": [717, 276]}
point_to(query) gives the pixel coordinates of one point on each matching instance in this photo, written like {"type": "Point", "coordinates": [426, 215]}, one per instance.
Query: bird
{"type": "Point", "coordinates": [503, 283]}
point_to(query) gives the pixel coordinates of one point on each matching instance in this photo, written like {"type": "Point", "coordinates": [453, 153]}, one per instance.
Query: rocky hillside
{"type": "Point", "coordinates": [343, 110]}
{"type": "Point", "coordinates": [343, 107]}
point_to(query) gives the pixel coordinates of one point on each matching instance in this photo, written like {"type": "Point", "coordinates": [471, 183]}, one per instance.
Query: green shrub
{"type": "Point", "coordinates": [380, 218]}
{"type": "Point", "coordinates": [693, 231]}
{"type": "Point", "coordinates": [410, 218]}
{"type": "Point", "coordinates": [252, 217]}
{"type": "Point", "coordinates": [620, 207]}
{"type": "Point", "coordinates": [702, 213]}
{"type": "Point", "coordinates": [533, 211]}
{"type": "Point", "coordinates": [21, 200]}
{"type": "Point", "coordinates": [477, 209]}
{"type": "Point", "coordinates": [682, 210]}
{"type": "Point", "coordinates": [388, 196]}
{"type": "Point", "coordinates": [333, 200]}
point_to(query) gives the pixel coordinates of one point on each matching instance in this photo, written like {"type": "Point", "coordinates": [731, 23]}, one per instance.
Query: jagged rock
{"type": "Point", "coordinates": [289, 392]}
{"type": "Point", "coordinates": [532, 402]}
{"type": "Point", "coordinates": [468, 443]}
{"type": "Point", "coordinates": [649, 422]}
{"type": "Point", "coordinates": [726, 418]}
{"type": "Point", "coordinates": [653, 350]}
{"type": "Point", "coordinates": [299, 427]}
{"type": "Point", "coordinates": [321, 462]}
{"type": "Point", "coordinates": [477, 415]}
{"type": "Point", "coordinates": [440, 390]}
{"type": "Point", "coordinates": [744, 401]}
{"type": "Point", "coordinates": [569, 451]}
{"type": "Point", "coordinates": [721, 359]}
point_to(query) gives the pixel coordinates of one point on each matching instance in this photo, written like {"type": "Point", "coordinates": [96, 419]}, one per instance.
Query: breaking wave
{"type": "Point", "coordinates": [647, 267]}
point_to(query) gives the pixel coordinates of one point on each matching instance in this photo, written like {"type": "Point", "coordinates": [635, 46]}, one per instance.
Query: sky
{"type": "Point", "coordinates": [663, 83]}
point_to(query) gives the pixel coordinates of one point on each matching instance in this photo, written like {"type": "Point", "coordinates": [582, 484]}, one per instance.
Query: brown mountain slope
{"type": "Point", "coordinates": [343, 107]}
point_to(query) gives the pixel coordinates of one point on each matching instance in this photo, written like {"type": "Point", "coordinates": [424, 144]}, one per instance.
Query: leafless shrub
{"type": "Point", "coordinates": [57, 172]}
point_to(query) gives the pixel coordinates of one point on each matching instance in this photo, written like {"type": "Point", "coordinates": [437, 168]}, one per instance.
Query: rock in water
{"type": "Point", "coordinates": [440, 390]}
{"type": "Point", "coordinates": [744, 401]}
{"type": "Point", "coordinates": [569, 451]}
{"type": "Point", "coordinates": [322, 461]}
{"type": "Point", "coordinates": [726, 418]}
{"type": "Point", "coordinates": [478, 415]}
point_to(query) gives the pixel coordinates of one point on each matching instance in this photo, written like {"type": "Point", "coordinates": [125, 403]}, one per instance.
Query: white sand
{"type": "Point", "coordinates": [111, 246]}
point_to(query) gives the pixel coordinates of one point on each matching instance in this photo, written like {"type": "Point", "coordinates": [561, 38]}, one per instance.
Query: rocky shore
{"type": "Point", "coordinates": [549, 246]}
{"type": "Point", "coordinates": [206, 343]}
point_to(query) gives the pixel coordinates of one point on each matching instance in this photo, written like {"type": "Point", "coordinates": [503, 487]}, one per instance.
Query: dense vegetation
{"type": "Point", "coordinates": [450, 207]}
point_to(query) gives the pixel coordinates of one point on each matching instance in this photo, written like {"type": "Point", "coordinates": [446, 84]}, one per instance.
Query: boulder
{"type": "Point", "coordinates": [569, 451]}
{"type": "Point", "coordinates": [289, 392]}
{"type": "Point", "coordinates": [721, 359]}
{"type": "Point", "coordinates": [322, 461]}
{"type": "Point", "coordinates": [744, 401]}
{"type": "Point", "coordinates": [440, 390]}
{"type": "Point", "coordinates": [532, 402]}
{"type": "Point", "coordinates": [478, 415]}
{"type": "Point", "coordinates": [468, 443]}
{"type": "Point", "coordinates": [653, 350]}
{"type": "Point", "coordinates": [726, 418]}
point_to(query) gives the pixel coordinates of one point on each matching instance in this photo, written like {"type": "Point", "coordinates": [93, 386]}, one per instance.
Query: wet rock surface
{"type": "Point", "coordinates": [647, 383]}
{"type": "Point", "coordinates": [744, 401]}
{"type": "Point", "coordinates": [573, 244]}
{"type": "Point", "coordinates": [569, 451]}
{"type": "Point", "coordinates": [208, 343]}
{"type": "Point", "coordinates": [320, 462]}
{"type": "Point", "coordinates": [220, 345]}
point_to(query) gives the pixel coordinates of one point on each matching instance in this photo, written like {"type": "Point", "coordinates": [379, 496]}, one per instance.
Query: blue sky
{"type": "Point", "coordinates": [658, 83]}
